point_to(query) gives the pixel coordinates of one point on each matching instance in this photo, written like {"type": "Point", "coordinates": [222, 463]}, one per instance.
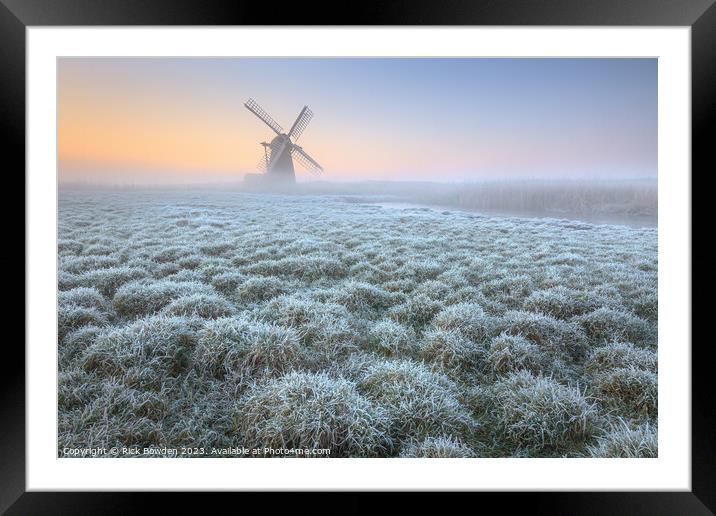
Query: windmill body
{"type": "Point", "coordinates": [277, 162]}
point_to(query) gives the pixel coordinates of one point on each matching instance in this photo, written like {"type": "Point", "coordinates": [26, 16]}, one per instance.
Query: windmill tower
{"type": "Point", "coordinates": [277, 161]}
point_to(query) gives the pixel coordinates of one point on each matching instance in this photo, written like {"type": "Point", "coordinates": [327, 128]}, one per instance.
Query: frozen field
{"type": "Point", "coordinates": [217, 320]}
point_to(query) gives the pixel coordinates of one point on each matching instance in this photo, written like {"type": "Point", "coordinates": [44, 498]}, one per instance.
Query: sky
{"type": "Point", "coordinates": [182, 120]}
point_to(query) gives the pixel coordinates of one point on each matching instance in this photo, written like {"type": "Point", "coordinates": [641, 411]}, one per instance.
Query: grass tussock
{"type": "Point", "coordinates": [363, 297]}
{"type": "Point", "coordinates": [626, 441]}
{"type": "Point", "coordinates": [417, 311]}
{"type": "Point", "coordinates": [160, 346]}
{"type": "Point", "coordinates": [451, 349]}
{"type": "Point", "coordinates": [537, 412]}
{"type": "Point", "coordinates": [563, 303]}
{"type": "Point", "coordinates": [312, 410]}
{"type": "Point", "coordinates": [419, 402]}
{"type": "Point", "coordinates": [260, 288]}
{"type": "Point", "coordinates": [75, 343]}
{"type": "Point", "coordinates": [72, 317]}
{"type": "Point", "coordinates": [634, 391]}
{"type": "Point", "coordinates": [552, 336]}
{"type": "Point", "coordinates": [617, 355]}
{"type": "Point", "coordinates": [390, 338]}
{"type": "Point", "coordinates": [227, 283]}
{"type": "Point", "coordinates": [85, 297]}
{"type": "Point", "coordinates": [467, 319]}
{"type": "Point", "coordinates": [438, 448]}
{"type": "Point", "coordinates": [608, 324]}
{"type": "Point", "coordinates": [510, 353]}
{"type": "Point", "coordinates": [146, 298]}
{"type": "Point", "coordinates": [325, 327]}
{"type": "Point", "coordinates": [206, 306]}
{"type": "Point", "coordinates": [108, 281]}
{"type": "Point", "coordinates": [244, 348]}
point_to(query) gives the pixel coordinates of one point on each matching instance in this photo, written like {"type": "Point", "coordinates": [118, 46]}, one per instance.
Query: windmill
{"type": "Point", "coordinates": [278, 157]}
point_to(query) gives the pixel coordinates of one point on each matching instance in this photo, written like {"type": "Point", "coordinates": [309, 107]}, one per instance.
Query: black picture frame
{"type": "Point", "coordinates": [700, 15]}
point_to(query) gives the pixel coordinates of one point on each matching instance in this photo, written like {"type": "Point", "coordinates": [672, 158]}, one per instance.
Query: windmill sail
{"type": "Point", "coordinates": [305, 160]}
{"type": "Point", "coordinates": [262, 115]}
{"type": "Point", "coordinates": [301, 122]}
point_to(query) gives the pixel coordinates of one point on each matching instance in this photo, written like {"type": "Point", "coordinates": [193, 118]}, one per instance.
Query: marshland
{"type": "Point", "coordinates": [219, 319]}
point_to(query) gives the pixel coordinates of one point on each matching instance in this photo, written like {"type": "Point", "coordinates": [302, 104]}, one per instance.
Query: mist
{"type": "Point", "coordinates": [631, 202]}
